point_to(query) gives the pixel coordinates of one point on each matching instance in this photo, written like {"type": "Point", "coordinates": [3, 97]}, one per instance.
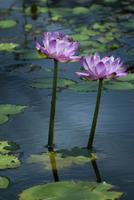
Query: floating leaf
{"type": "Point", "coordinates": [4, 182]}
{"type": "Point", "coordinates": [80, 10]}
{"type": "Point", "coordinates": [8, 23]}
{"type": "Point", "coordinates": [120, 86]}
{"type": "Point", "coordinates": [9, 47]}
{"type": "Point", "coordinates": [6, 147]}
{"type": "Point", "coordinates": [9, 109]}
{"type": "Point", "coordinates": [80, 37]}
{"type": "Point", "coordinates": [3, 119]}
{"type": "Point", "coordinates": [129, 77]}
{"type": "Point", "coordinates": [47, 83]}
{"type": "Point", "coordinates": [28, 27]}
{"type": "Point", "coordinates": [8, 161]}
{"type": "Point", "coordinates": [30, 54]}
{"type": "Point", "coordinates": [73, 190]}
{"type": "Point", "coordinates": [85, 86]}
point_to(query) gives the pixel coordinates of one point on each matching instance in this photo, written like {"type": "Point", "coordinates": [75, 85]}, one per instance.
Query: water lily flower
{"type": "Point", "coordinates": [58, 46]}
{"type": "Point", "coordinates": [96, 68]}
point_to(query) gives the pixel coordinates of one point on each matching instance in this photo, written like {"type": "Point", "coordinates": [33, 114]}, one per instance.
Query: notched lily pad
{"type": "Point", "coordinates": [47, 83]}
{"type": "Point", "coordinates": [73, 190]}
{"type": "Point", "coordinates": [8, 109]}
{"type": "Point", "coordinates": [9, 47]}
{"type": "Point", "coordinates": [7, 23]}
{"type": "Point", "coordinates": [4, 182]}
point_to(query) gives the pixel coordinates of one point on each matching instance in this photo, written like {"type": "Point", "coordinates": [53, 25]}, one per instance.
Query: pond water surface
{"type": "Point", "coordinates": [112, 25]}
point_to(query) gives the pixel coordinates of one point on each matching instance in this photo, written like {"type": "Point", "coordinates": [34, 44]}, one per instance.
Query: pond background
{"type": "Point", "coordinates": [18, 68]}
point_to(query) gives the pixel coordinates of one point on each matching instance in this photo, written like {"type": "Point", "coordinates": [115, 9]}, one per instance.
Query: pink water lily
{"type": "Point", "coordinates": [96, 68]}
{"type": "Point", "coordinates": [58, 46]}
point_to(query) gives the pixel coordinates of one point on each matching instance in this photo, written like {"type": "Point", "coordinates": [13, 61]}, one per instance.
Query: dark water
{"type": "Point", "coordinates": [115, 131]}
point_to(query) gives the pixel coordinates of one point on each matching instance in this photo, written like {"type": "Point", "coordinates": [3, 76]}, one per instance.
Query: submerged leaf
{"type": "Point", "coordinates": [61, 161]}
{"type": "Point", "coordinates": [73, 190]}
{"type": "Point", "coordinates": [4, 182]}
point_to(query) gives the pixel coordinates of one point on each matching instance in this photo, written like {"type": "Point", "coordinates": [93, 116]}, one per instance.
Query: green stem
{"type": "Point", "coordinates": [53, 106]}
{"type": "Point", "coordinates": [94, 122]}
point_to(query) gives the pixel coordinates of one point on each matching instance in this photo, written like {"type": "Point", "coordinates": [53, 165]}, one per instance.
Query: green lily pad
{"type": "Point", "coordinates": [80, 37]}
{"type": "Point", "coordinates": [6, 147]}
{"type": "Point", "coordinates": [8, 161]}
{"type": "Point", "coordinates": [80, 10]}
{"type": "Point", "coordinates": [28, 27]}
{"type": "Point", "coordinates": [85, 86]}
{"type": "Point", "coordinates": [47, 160]}
{"type": "Point", "coordinates": [3, 119]}
{"type": "Point", "coordinates": [9, 109]}
{"type": "Point", "coordinates": [9, 47]}
{"type": "Point", "coordinates": [129, 77]}
{"type": "Point", "coordinates": [28, 10]}
{"type": "Point", "coordinates": [30, 54]}
{"type": "Point", "coordinates": [120, 86]}
{"type": "Point", "coordinates": [73, 190]}
{"type": "Point", "coordinates": [4, 182]}
{"type": "Point", "coordinates": [47, 83]}
{"type": "Point", "coordinates": [8, 23]}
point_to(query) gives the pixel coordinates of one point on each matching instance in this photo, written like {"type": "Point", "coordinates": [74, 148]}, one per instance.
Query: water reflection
{"type": "Point", "coordinates": [52, 157]}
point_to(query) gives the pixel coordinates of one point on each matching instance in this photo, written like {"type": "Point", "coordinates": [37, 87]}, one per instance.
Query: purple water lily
{"type": "Point", "coordinates": [58, 46]}
{"type": "Point", "coordinates": [97, 68]}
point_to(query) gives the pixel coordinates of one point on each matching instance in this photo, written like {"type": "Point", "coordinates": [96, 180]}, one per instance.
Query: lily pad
{"type": "Point", "coordinates": [28, 27]}
{"type": "Point", "coordinates": [8, 23]}
{"type": "Point", "coordinates": [62, 161]}
{"type": "Point", "coordinates": [30, 54]}
{"type": "Point", "coordinates": [8, 161]}
{"type": "Point", "coordinates": [9, 47]}
{"type": "Point", "coordinates": [4, 182]}
{"type": "Point", "coordinates": [47, 83]}
{"type": "Point", "coordinates": [72, 190]}
{"type": "Point", "coordinates": [85, 86]}
{"type": "Point", "coordinates": [129, 77]}
{"type": "Point", "coordinates": [3, 119]}
{"type": "Point", "coordinates": [80, 37]}
{"type": "Point", "coordinates": [120, 86]}
{"type": "Point", "coordinates": [80, 10]}
{"type": "Point", "coordinates": [6, 147]}
{"type": "Point", "coordinates": [9, 109]}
